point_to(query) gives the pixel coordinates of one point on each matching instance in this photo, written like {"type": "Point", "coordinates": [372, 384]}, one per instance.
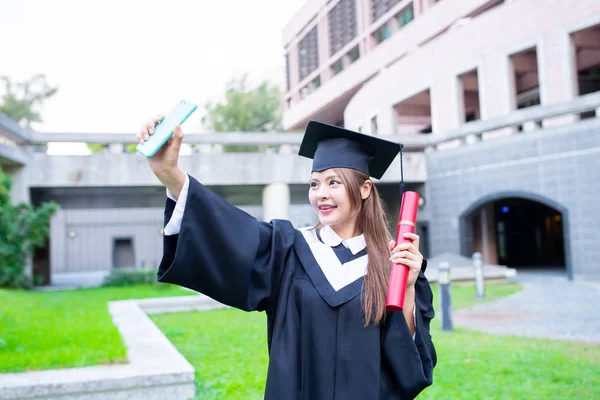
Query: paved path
{"type": "Point", "coordinates": [550, 306]}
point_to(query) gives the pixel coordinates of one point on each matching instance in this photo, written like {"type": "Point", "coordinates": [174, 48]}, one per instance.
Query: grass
{"type": "Point", "coordinates": [46, 330]}
{"type": "Point", "coordinates": [228, 349]}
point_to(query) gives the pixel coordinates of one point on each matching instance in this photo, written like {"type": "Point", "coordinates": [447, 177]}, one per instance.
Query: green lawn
{"type": "Point", "coordinates": [45, 330]}
{"type": "Point", "coordinates": [228, 351]}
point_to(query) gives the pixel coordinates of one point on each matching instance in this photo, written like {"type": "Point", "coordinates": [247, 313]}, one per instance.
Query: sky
{"type": "Point", "coordinates": [119, 62]}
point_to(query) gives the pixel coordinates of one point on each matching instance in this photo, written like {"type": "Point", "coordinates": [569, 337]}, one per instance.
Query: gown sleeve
{"type": "Point", "coordinates": [224, 253]}
{"type": "Point", "coordinates": [411, 362]}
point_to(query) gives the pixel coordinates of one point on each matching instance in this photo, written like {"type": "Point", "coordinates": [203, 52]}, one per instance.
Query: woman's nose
{"type": "Point", "coordinates": [323, 193]}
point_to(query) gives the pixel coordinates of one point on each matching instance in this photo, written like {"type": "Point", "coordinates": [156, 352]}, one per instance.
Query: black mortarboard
{"type": "Point", "coordinates": [334, 147]}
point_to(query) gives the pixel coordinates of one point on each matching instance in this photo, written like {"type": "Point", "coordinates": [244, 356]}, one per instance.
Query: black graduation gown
{"type": "Point", "coordinates": [318, 347]}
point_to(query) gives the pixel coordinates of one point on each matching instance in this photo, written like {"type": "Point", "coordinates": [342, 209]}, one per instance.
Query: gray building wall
{"type": "Point", "coordinates": [559, 167]}
{"type": "Point", "coordinates": [83, 240]}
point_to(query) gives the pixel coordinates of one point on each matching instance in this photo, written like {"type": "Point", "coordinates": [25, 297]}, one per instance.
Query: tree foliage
{"type": "Point", "coordinates": [20, 100]}
{"type": "Point", "coordinates": [245, 109]}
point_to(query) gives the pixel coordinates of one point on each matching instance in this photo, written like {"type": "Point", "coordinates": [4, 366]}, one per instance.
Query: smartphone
{"type": "Point", "coordinates": [164, 129]}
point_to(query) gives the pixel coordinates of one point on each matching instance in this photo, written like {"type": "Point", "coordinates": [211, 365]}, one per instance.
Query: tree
{"type": "Point", "coordinates": [245, 109]}
{"type": "Point", "coordinates": [23, 227]}
{"type": "Point", "coordinates": [20, 100]}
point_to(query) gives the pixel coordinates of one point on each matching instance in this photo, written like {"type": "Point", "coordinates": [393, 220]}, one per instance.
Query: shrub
{"type": "Point", "coordinates": [129, 277]}
{"type": "Point", "coordinates": [23, 228]}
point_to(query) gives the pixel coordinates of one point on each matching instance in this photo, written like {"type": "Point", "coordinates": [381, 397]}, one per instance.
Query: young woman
{"type": "Point", "coordinates": [323, 289]}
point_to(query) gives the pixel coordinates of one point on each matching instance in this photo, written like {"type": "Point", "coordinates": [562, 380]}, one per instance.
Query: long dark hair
{"type": "Point", "coordinates": [371, 221]}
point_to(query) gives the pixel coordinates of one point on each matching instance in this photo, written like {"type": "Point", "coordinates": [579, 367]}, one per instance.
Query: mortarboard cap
{"type": "Point", "coordinates": [334, 147]}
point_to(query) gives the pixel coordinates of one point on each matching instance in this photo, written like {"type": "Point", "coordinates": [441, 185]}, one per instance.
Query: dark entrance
{"type": "Point", "coordinates": [528, 234]}
{"type": "Point", "coordinates": [517, 229]}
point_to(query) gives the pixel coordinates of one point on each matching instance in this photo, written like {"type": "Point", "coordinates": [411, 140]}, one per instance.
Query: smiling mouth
{"type": "Point", "coordinates": [325, 207]}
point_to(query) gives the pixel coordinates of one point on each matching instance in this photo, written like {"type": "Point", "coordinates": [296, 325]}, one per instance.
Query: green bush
{"type": "Point", "coordinates": [23, 228]}
{"type": "Point", "coordinates": [130, 277]}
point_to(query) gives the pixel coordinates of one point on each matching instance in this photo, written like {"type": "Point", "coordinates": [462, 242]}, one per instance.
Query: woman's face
{"type": "Point", "coordinates": [329, 198]}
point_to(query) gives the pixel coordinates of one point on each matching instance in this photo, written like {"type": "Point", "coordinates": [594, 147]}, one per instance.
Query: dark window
{"type": "Point", "coordinates": [342, 25]}
{"type": "Point", "coordinates": [308, 53]}
{"type": "Point", "coordinates": [317, 82]}
{"type": "Point", "coordinates": [354, 54]}
{"type": "Point", "coordinates": [380, 7]}
{"type": "Point", "coordinates": [383, 33]}
{"type": "Point", "coordinates": [338, 66]}
{"type": "Point", "coordinates": [405, 16]}
{"type": "Point", "coordinates": [374, 125]}
{"type": "Point", "coordinates": [123, 253]}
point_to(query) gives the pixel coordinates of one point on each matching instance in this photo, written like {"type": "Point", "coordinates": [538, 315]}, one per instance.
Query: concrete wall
{"type": "Point", "coordinates": [211, 169]}
{"type": "Point", "coordinates": [82, 240]}
{"type": "Point", "coordinates": [557, 166]}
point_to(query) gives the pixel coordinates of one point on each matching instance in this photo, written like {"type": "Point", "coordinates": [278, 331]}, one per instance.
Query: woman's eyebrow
{"type": "Point", "coordinates": [326, 179]}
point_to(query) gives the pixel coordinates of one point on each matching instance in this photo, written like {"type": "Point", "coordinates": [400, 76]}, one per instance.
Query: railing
{"type": "Point", "coordinates": [225, 138]}
{"type": "Point", "coordinates": [11, 132]}
{"type": "Point", "coordinates": [526, 119]}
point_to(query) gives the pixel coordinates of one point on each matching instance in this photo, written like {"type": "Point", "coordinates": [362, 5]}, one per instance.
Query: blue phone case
{"type": "Point", "coordinates": [164, 129]}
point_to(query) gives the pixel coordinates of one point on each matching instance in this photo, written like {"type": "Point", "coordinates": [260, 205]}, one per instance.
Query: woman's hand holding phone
{"type": "Point", "coordinates": [164, 164]}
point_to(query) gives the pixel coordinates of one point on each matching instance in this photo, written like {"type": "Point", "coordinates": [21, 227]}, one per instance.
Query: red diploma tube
{"type": "Point", "coordinates": [399, 272]}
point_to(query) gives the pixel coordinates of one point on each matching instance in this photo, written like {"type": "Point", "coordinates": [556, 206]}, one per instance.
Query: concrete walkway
{"type": "Point", "coordinates": [550, 306]}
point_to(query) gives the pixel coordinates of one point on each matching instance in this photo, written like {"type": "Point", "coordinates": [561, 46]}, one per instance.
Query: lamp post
{"type": "Point", "coordinates": [479, 281]}
{"type": "Point", "coordinates": [444, 282]}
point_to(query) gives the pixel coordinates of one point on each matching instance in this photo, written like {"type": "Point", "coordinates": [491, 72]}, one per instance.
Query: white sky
{"type": "Point", "coordinates": [119, 62]}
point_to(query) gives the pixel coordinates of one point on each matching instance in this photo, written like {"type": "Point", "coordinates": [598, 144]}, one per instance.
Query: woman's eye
{"type": "Point", "coordinates": [333, 182]}
{"type": "Point", "coordinates": [313, 184]}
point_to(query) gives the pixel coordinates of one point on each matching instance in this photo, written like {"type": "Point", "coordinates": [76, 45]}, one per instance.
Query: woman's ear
{"type": "Point", "coordinates": [365, 189]}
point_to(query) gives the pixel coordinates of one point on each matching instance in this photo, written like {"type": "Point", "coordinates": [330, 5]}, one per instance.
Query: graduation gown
{"type": "Point", "coordinates": [318, 346]}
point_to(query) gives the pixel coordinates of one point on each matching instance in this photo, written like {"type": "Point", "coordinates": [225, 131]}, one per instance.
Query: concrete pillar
{"type": "Point", "coordinates": [294, 71]}
{"type": "Point", "coordinates": [19, 191]}
{"type": "Point", "coordinates": [557, 68]}
{"type": "Point", "coordinates": [362, 24]}
{"type": "Point", "coordinates": [386, 122]}
{"type": "Point", "coordinates": [368, 42]}
{"type": "Point", "coordinates": [323, 41]}
{"type": "Point", "coordinates": [497, 92]}
{"type": "Point", "coordinates": [447, 103]}
{"type": "Point", "coordinates": [417, 8]}
{"type": "Point", "coordinates": [488, 235]}
{"type": "Point", "coordinates": [115, 148]}
{"type": "Point", "coordinates": [276, 201]}
{"type": "Point", "coordinates": [58, 242]}
{"type": "Point", "coordinates": [530, 126]}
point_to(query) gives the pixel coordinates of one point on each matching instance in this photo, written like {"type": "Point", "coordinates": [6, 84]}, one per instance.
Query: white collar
{"type": "Point", "coordinates": [330, 238]}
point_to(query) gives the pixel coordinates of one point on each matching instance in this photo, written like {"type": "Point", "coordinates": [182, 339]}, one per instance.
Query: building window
{"type": "Point", "coordinates": [354, 54]}
{"type": "Point", "coordinates": [308, 53]}
{"type": "Point", "coordinates": [383, 33]}
{"type": "Point", "coordinates": [374, 125]}
{"type": "Point", "coordinates": [380, 7]}
{"type": "Point", "coordinates": [317, 82]}
{"type": "Point", "coordinates": [342, 25]}
{"type": "Point", "coordinates": [337, 67]}
{"type": "Point", "coordinates": [405, 16]}
{"type": "Point", "coordinates": [123, 253]}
